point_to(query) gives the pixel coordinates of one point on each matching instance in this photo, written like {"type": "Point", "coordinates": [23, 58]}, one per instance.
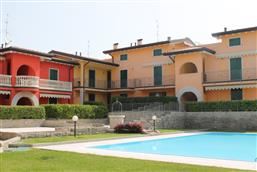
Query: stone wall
{"type": "Point", "coordinates": [20, 123]}
{"type": "Point", "coordinates": [223, 121]}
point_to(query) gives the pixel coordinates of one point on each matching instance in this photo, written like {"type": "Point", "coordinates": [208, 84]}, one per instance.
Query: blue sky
{"type": "Point", "coordinates": [69, 25]}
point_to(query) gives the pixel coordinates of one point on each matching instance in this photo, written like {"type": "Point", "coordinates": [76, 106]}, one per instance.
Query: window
{"type": "Point", "coordinates": [157, 94]}
{"type": "Point", "coordinates": [54, 74]}
{"type": "Point", "coordinates": [91, 78]}
{"type": "Point", "coordinates": [123, 95]}
{"type": "Point", "coordinates": [157, 75]}
{"type": "Point", "coordinates": [53, 101]}
{"type": "Point", "coordinates": [235, 69]}
{"type": "Point", "coordinates": [236, 94]}
{"type": "Point", "coordinates": [123, 57]}
{"type": "Point", "coordinates": [123, 78]}
{"type": "Point", "coordinates": [234, 42]}
{"type": "Point", "coordinates": [91, 97]}
{"type": "Point", "coordinates": [157, 52]}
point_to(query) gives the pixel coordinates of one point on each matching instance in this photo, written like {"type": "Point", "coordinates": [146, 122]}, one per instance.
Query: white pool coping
{"type": "Point", "coordinates": [86, 148]}
{"type": "Point", "coordinates": [27, 129]}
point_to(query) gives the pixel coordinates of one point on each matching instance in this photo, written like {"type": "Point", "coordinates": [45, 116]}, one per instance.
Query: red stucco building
{"type": "Point", "coordinates": [29, 77]}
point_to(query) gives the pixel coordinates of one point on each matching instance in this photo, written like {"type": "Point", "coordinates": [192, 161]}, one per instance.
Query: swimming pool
{"type": "Point", "coordinates": [217, 145]}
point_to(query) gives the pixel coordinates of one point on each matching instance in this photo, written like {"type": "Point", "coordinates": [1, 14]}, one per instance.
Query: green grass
{"type": "Point", "coordinates": [54, 161]}
{"type": "Point", "coordinates": [84, 137]}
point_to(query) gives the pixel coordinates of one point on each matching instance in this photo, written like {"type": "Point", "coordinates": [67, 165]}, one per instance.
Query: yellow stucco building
{"type": "Point", "coordinates": [226, 70]}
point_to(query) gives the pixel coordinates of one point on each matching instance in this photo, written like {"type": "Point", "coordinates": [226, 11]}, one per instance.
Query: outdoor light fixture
{"type": "Point", "coordinates": [154, 122]}
{"type": "Point", "coordinates": [75, 118]}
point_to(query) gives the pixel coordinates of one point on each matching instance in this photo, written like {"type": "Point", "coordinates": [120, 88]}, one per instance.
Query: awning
{"type": "Point", "coordinates": [229, 87]}
{"type": "Point", "coordinates": [5, 92]}
{"type": "Point", "coordinates": [55, 96]}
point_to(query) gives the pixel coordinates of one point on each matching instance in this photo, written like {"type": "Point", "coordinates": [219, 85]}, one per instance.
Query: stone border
{"type": "Point", "coordinates": [86, 148]}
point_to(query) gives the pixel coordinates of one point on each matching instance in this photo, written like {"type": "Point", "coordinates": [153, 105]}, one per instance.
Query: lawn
{"type": "Point", "coordinates": [85, 137]}
{"type": "Point", "coordinates": [54, 161]}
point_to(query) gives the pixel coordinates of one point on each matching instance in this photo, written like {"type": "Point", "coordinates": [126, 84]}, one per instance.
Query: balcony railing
{"type": "Point", "coordinates": [55, 85]}
{"type": "Point", "coordinates": [5, 80]}
{"type": "Point", "coordinates": [230, 75]}
{"type": "Point", "coordinates": [130, 83]}
{"type": "Point", "coordinates": [27, 81]}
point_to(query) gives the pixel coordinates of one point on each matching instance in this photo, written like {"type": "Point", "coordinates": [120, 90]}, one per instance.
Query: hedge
{"type": "Point", "coordinates": [94, 103]}
{"type": "Point", "coordinates": [240, 105]}
{"type": "Point", "coordinates": [82, 111]}
{"type": "Point", "coordinates": [22, 112]}
{"type": "Point", "coordinates": [150, 99]}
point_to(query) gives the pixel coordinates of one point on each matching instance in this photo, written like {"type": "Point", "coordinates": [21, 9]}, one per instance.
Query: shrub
{"type": "Point", "coordinates": [239, 105]}
{"type": "Point", "coordinates": [22, 112]}
{"type": "Point", "coordinates": [132, 127]}
{"type": "Point", "coordinates": [150, 99]}
{"type": "Point", "coordinates": [82, 111]}
{"type": "Point", "coordinates": [94, 103]}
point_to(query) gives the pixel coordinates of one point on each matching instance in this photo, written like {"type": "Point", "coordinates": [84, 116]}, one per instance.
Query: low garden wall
{"type": "Point", "coordinates": [220, 121]}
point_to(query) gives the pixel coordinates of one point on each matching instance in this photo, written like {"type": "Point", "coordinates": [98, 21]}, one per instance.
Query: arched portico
{"type": "Point", "coordinates": [24, 94]}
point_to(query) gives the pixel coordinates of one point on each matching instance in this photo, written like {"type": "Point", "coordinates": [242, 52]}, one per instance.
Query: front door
{"type": "Point", "coordinates": [235, 69]}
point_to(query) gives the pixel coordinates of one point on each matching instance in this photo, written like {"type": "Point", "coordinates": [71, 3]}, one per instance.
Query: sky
{"type": "Point", "coordinates": [92, 26]}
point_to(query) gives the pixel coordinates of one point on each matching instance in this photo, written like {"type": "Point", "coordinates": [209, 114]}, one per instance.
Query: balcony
{"type": "Point", "coordinates": [27, 81]}
{"type": "Point", "coordinates": [246, 74]}
{"type": "Point", "coordinates": [55, 85]}
{"type": "Point", "coordinates": [128, 84]}
{"type": "Point", "coordinates": [35, 82]}
{"type": "Point", "coordinates": [5, 80]}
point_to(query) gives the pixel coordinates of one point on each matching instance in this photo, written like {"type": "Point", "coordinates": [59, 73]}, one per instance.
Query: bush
{"type": "Point", "coordinates": [150, 99]}
{"type": "Point", "coordinates": [22, 112]}
{"type": "Point", "coordinates": [82, 111]}
{"type": "Point", "coordinates": [132, 127]}
{"type": "Point", "coordinates": [94, 103]}
{"type": "Point", "coordinates": [240, 105]}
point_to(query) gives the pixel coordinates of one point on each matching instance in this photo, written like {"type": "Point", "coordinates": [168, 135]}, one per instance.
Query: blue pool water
{"type": "Point", "coordinates": [227, 146]}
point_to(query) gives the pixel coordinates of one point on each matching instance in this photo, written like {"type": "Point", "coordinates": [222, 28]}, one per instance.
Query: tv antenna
{"type": "Point", "coordinates": [88, 46]}
{"type": "Point", "coordinates": [7, 40]}
{"type": "Point", "coordinates": [157, 30]}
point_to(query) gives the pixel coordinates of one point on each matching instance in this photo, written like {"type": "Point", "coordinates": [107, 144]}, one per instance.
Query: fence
{"type": "Point", "coordinates": [135, 107]}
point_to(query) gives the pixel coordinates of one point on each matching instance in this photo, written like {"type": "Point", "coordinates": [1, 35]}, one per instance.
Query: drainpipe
{"type": "Point", "coordinates": [82, 72]}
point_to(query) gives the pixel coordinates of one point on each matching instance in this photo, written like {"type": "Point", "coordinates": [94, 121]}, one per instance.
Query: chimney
{"type": "Point", "coordinates": [139, 41]}
{"type": "Point", "coordinates": [76, 53]}
{"type": "Point", "coordinates": [115, 45]}
{"type": "Point", "coordinates": [131, 44]}
{"type": "Point", "coordinates": [225, 29]}
{"type": "Point", "coordinates": [169, 38]}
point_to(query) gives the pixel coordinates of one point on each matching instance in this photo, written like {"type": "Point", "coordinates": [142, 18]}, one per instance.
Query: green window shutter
{"type": "Point", "coordinates": [157, 75]}
{"type": "Point", "coordinates": [92, 78]}
{"type": "Point", "coordinates": [236, 94]}
{"type": "Point", "coordinates": [53, 74]}
{"type": "Point", "coordinates": [235, 69]}
{"type": "Point", "coordinates": [234, 42]}
{"type": "Point", "coordinates": [123, 78]}
{"type": "Point", "coordinates": [123, 57]}
{"type": "Point", "coordinates": [157, 52]}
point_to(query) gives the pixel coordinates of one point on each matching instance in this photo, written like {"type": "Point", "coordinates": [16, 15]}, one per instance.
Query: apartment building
{"type": "Point", "coordinates": [225, 70]}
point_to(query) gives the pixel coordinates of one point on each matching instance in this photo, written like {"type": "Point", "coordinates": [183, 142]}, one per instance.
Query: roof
{"type": "Point", "coordinates": [82, 58]}
{"type": "Point", "coordinates": [189, 50]}
{"type": "Point", "coordinates": [150, 44]}
{"type": "Point", "coordinates": [234, 31]}
{"type": "Point", "coordinates": [23, 50]}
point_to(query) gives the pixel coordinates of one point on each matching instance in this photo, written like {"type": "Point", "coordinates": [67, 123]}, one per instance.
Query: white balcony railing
{"type": "Point", "coordinates": [55, 85]}
{"type": "Point", "coordinates": [27, 81]}
{"type": "Point", "coordinates": [5, 80]}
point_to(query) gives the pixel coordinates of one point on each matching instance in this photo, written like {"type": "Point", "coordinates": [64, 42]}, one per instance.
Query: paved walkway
{"type": "Point", "coordinates": [27, 130]}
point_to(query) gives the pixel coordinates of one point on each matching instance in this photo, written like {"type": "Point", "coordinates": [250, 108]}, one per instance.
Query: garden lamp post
{"type": "Point", "coordinates": [75, 118]}
{"type": "Point", "coordinates": [154, 122]}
